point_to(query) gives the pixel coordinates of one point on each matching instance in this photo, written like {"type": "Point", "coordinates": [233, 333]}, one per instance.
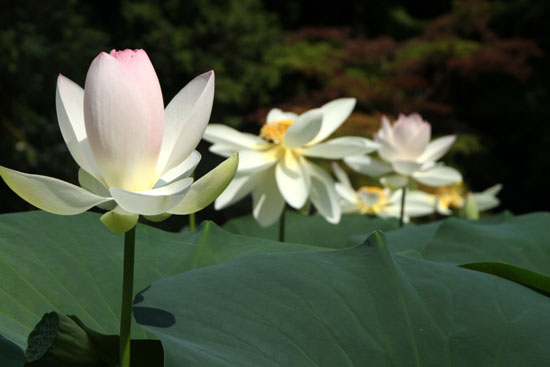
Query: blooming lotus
{"type": "Point", "coordinates": [274, 166]}
{"type": "Point", "coordinates": [405, 149]}
{"type": "Point", "coordinates": [135, 157]}
{"type": "Point", "coordinates": [381, 202]}
{"type": "Point", "coordinates": [456, 195]}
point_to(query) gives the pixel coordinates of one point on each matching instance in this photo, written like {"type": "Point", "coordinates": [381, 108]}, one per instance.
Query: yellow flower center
{"type": "Point", "coordinates": [451, 196]}
{"type": "Point", "coordinates": [371, 199]}
{"type": "Point", "coordinates": [274, 131]}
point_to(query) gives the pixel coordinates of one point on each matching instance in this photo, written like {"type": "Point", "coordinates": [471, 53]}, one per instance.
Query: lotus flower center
{"type": "Point", "coordinates": [371, 199]}
{"type": "Point", "coordinates": [274, 131]}
{"type": "Point", "coordinates": [451, 196]}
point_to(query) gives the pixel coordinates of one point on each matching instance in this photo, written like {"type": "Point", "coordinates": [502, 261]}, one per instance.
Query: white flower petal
{"type": "Point", "coordinates": [119, 220]}
{"type": "Point", "coordinates": [205, 190]}
{"type": "Point", "coordinates": [487, 199]}
{"type": "Point", "coordinates": [225, 135]}
{"type": "Point", "coordinates": [323, 195]}
{"type": "Point", "coordinates": [438, 176]}
{"type": "Point", "coordinates": [387, 150]}
{"type": "Point", "coordinates": [406, 168]}
{"type": "Point", "coordinates": [242, 185]}
{"type": "Point", "coordinates": [411, 137]}
{"type": "Point", "coordinates": [184, 169]}
{"type": "Point", "coordinates": [437, 149]}
{"type": "Point", "coordinates": [186, 117]}
{"type": "Point", "coordinates": [92, 184]}
{"type": "Point", "coordinates": [123, 135]}
{"type": "Point", "coordinates": [292, 180]}
{"type": "Point", "coordinates": [50, 194]}
{"type": "Point", "coordinates": [341, 175]}
{"type": "Point", "coordinates": [334, 114]}
{"type": "Point", "coordinates": [418, 203]}
{"type": "Point", "coordinates": [276, 114]}
{"type": "Point", "coordinates": [267, 201]}
{"type": "Point", "coordinates": [304, 129]}
{"type": "Point", "coordinates": [69, 103]}
{"type": "Point", "coordinates": [154, 201]}
{"type": "Point", "coordinates": [224, 150]}
{"type": "Point", "coordinates": [253, 161]}
{"type": "Point", "coordinates": [341, 147]}
{"type": "Point", "coordinates": [346, 193]}
{"type": "Point", "coordinates": [368, 165]}
{"type": "Point", "coordinates": [394, 181]}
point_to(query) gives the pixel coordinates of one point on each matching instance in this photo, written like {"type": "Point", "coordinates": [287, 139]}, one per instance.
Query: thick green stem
{"type": "Point", "coordinates": [402, 216]}
{"type": "Point", "coordinates": [282, 226]}
{"type": "Point", "coordinates": [192, 222]}
{"type": "Point", "coordinates": [127, 296]}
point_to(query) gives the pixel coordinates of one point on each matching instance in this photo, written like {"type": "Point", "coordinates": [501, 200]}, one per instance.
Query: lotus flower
{"type": "Point", "coordinates": [405, 148]}
{"type": "Point", "coordinates": [135, 157]}
{"type": "Point", "coordinates": [455, 196]}
{"type": "Point", "coordinates": [378, 201]}
{"type": "Point", "coordinates": [274, 166]}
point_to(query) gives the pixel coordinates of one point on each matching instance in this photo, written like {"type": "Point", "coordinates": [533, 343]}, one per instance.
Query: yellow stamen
{"type": "Point", "coordinates": [451, 196]}
{"type": "Point", "coordinates": [274, 131]}
{"type": "Point", "coordinates": [371, 199]}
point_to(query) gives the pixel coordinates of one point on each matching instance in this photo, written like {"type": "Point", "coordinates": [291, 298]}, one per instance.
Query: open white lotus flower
{"type": "Point", "coordinates": [405, 149]}
{"type": "Point", "coordinates": [274, 166]}
{"type": "Point", "coordinates": [381, 202]}
{"type": "Point", "coordinates": [455, 196]}
{"type": "Point", "coordinates": [135, 157]}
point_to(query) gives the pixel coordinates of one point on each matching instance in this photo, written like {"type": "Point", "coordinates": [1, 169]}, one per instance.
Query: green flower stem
{"type": "Point", "coordinates": [282, 226]}
{"type": "Point", "coordinates": [127, 295]}
{"type": "Point", "coordinates": [192, 222]}
{"type": "Point", "coordinates": [402, 216]}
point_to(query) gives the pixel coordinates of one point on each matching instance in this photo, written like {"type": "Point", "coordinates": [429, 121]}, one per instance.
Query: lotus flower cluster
{"type": "Point", "coordinates": [274, 166]}
{"type": "Point", "coordinates": [135, 157]}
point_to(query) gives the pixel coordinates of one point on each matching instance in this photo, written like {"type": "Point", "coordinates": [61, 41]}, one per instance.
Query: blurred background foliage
{"type": "Point", "coordinates": [475, 68]}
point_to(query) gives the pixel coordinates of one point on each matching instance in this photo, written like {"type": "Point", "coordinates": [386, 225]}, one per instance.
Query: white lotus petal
{"type": "Point", "coordinates": [92, 184]}
{"type": "Point", "coordinates": [276, 114]}
{"type": "Point", "coordinates": [386, 150]}
{"type": "Point", "coordinates": [341, 147]}
{"type": "Point", "coordinates": [406, 168]}
{"type": "Point", "coordinates": [334, 114]}
{"type": "Point", "coordinates": [418, 203]}
{"type": "Point", "coordinates": [69, 104]}
{"type": "Point", "coordinates": [267, 201]}
{"type": "Point", "coordinates": [186, 117]}
{"type": "Point", "coordinates": [394, 181]}
{"type": "Point", "coordinates": [205, 190]}
{"type": "Point", "coordinates": [323, 194]}
{"type": "Point", "coordinates": [50, 194]}
{"type": "Point", "coordinates": [225, 135]}
{"type": "Point", "coordinates": [292, 180]}
{"type": "Point", "coordinates": [487, 199]}
{"type": "Point", "coordinates": [437, 149]}
{"type": "Point", "coordinates": [368, 165]}
{"type": "Point", "coordinates": [304, 129]}
{"type": "Point", "coordinates": [242, 185]}
{"type": "Point", "coordinates": [438, 176]}
{"type": "Point", "coordinates": [253, 161]}
{"type": "Point", "coordinates": [119, 220]}
{"type": "Point", "coordinates": [123, 135]}
{"type": "Point", "coordinates": [411, 137]}
{"type": "Point", "coordinates": [346, 193]}
{"type": "Point", "coordinates": [184, 169]}
{"type": "Point", "coordinates": [341, 175]}
{"type": "Point", "coordinates": [154, 201]}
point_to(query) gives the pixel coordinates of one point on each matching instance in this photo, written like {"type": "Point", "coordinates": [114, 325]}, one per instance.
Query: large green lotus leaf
{"type": "Point", "coordinates": [73, 265]}
{"type": "Point", "coordinates": [354, 307]}
{"type": "Point", "coordinates": [10, 354]}
{"type": "Point", "coordinates": [522, 241]}
{"type": "Point", "coordinates": [314, 229]}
